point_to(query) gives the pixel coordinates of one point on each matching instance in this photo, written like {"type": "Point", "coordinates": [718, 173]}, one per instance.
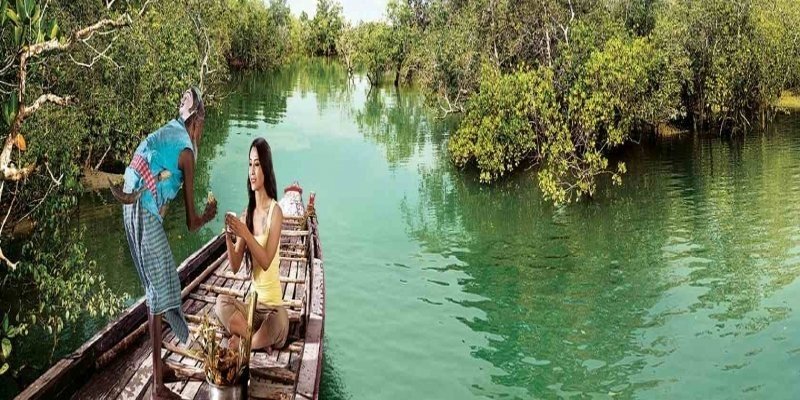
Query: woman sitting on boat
{"type": "Point", "coordinates": [257, 238]}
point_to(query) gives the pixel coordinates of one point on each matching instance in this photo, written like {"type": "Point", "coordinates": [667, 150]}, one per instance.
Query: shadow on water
{"type": "Point", "coordinates": [332, 387]}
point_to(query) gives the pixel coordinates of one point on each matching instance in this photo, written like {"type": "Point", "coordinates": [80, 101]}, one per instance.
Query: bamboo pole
{"type": "Point", "coordinates": [120, 347]}
{"type": "Point", "coordinates": [198, 319]}
{"type": "Point", "coordinates": [177, 350]}
{"type": "Point", "coordinates": [231, 292]}
{"type": "Point", "coordinates": [222, 290]}
{"type": "Point", "coordinates": [294, 233]}
{"type": "Point", "coordinates": [283, 279]}
{"type": "Point", "coordinates": [277, 374]}
{"type": "Point", "coordinates": [187, 372]}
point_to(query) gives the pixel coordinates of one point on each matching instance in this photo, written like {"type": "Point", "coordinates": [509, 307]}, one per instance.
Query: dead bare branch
{"type": "Point", "coordinates": [99, 55]}
{"type": "Point", "coordinates": [9, 171]}
{"type": "Point", "coordinates": [46, 98]}
{"type": "Point", "coordinates": [56, 183]}
{"type": "Point", "coordinates": [86, 33]}
{"type": "Point", "coordinates": [11, 265]}
{"type": "Point", "coordinates": [12, 173]}
{"type": "Point", "coordinates": [99, 163]}
{"type": "Point", "coordinates": [9, 64]}
{"type": "Point", "coordinates": [10, 207]}
{"type": "Point", "coordinates": [198, 24]}
{"type": "Point", "coordinates": [144, 6]}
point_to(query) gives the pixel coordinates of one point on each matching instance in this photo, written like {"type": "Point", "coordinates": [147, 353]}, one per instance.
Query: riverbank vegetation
{"type": "Point", "coordinates": [81, 83]}
{"type": "Point", "coordinates": [556, 84]}
{"type": "Point", "coordinates": [561, 84]}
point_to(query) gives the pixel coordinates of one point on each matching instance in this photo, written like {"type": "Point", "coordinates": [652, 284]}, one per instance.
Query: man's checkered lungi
{"type": "Point", "coordinates": [152, 257]}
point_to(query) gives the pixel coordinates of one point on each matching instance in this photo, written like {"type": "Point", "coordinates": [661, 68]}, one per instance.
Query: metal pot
{"type": "Point", "coordinates": [235, 392]}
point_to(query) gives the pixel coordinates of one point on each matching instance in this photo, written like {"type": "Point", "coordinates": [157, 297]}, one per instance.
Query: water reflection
{"type": "Point", "coordinates": [400, 124]}
{"type": "Point", "coordinates": [678, 284]}
{"type": "Point", "coordinates": [687, 271]}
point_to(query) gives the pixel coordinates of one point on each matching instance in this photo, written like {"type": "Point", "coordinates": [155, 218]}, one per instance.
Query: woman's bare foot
{"type": "Point", "coordinates": [162, 393]}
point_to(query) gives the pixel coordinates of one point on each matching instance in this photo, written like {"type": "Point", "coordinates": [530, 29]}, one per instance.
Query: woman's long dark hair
{"type": "Point", "coordinates": [265, 159]}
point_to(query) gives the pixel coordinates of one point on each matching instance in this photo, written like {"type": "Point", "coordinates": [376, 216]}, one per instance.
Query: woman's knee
{"type": "Point", "coordinates": [224, 308]}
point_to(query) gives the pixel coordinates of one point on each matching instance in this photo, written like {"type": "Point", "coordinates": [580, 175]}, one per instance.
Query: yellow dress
{"type": "Point", "coordinates": [267, 283]}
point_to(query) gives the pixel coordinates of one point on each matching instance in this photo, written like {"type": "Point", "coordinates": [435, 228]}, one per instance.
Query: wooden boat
{"type": "Point", "coordinates": [116, 362]}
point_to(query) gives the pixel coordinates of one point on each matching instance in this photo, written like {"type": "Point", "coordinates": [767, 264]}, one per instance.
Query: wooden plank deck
{"type": "Point", "coordinates": [272, 376]}
{"type": "Point", "coordinates": [117, 362]}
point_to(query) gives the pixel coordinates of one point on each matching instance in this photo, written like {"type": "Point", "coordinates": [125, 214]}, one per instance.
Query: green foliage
{"type": "Point", "coordinates": [381, 47]}
{"type": "Point", "coordinates": [618, 88]}
{"type": "Point", "coordinates": [260, 35]}
{"type": "Point", "coordinates": [7, 332]}
{"type": "Point", "coordinates": [54, 258]}
{"type": "Point", "coordinates": [568, 122]}
{"type": "Point", "coordinates": [505, 121]}
{"type": "Point", "coordinates": [10, 108]}
{"type": "Point", "coordinates": [126, 84]}
{"type": "Point", "coordinates": [373, 49]}
{"type": "Point", "coordinates": [741, 56]}
{"type": "Point", "coordinates": [325, 28]}
{"type": "Point", "coordinates": [346, 47]}
{"type": "Point", "coordinates": [617, 67]}
{"type": "Point", "coordinates": [638, 16]}
{"type": "Point", "coordinates": [450, 57]}
{"type": "Point", "coordinates": [405, 31]}
{"type": "Point", "coordinates": [300, 35]}
{"type": "Point", "coordinates": [27, 22]}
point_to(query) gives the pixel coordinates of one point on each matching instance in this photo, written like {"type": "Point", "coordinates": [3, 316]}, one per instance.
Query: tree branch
{"type": "Point", "coordinates": [98, 55]}
{"type": "Point", "coordinates": [144, 6]}
{"type": "Point", "coordinates": [10, 207]}
{"type": "Point", "coordinates": [56, 182]}
{"type": "Point", "coordinates": [45, 98]}
{"type": "Point", "coordinates": [11, 265]}
{"type": "Point", "coordinates": [12, 173]}
{"type": "Point", "coordinates": [99, 163]}
{"type": "Point", "coordinates": [198, 24]}
{"type": "Point", "coordinates": [86, 33]}
{"type": "Point", "coordinates": [7, 170]}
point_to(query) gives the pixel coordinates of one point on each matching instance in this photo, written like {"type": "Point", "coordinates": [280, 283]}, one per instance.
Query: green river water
{"type": "Point", "coordinates": [679, 284]}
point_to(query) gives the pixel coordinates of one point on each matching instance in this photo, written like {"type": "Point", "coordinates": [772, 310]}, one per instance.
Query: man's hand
{"type": "Point", "coordinates": [211, 211]}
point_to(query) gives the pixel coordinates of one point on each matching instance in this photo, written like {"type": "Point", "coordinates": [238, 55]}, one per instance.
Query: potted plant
{"type": "Point", "coordinates": [225, 368]}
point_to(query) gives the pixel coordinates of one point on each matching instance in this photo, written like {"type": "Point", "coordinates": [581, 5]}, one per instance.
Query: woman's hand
{"type": "Point", "coordinates": [237, 226]}
{"type": "Point", "coordinates": [226, 229]}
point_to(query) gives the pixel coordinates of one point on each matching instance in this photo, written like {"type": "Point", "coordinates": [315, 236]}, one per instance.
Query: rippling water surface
{"type": "Point", "coordinates": [679, 284]}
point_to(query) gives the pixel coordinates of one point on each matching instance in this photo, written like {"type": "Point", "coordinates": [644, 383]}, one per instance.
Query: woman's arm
{"type": "Point", "coordinates": [262, 255]}
{"type": "Point", "coordinates": [193, 221]}
{"type": "Point", "coordinates": [274, 239]}
{"type": "Point", "coordinates": [235, 250]}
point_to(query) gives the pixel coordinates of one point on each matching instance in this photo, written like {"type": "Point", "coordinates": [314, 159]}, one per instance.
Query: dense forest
{"type": "Point", "coordinates": [81, 83]}
{"type": "Point", "coordinates": [560, 84]}
{"type": "Point", "coordinates": [556, 84]}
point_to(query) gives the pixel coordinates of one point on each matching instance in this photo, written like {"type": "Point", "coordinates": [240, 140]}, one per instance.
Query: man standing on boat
{"type": "Point", "coordinates": [162, 163]}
